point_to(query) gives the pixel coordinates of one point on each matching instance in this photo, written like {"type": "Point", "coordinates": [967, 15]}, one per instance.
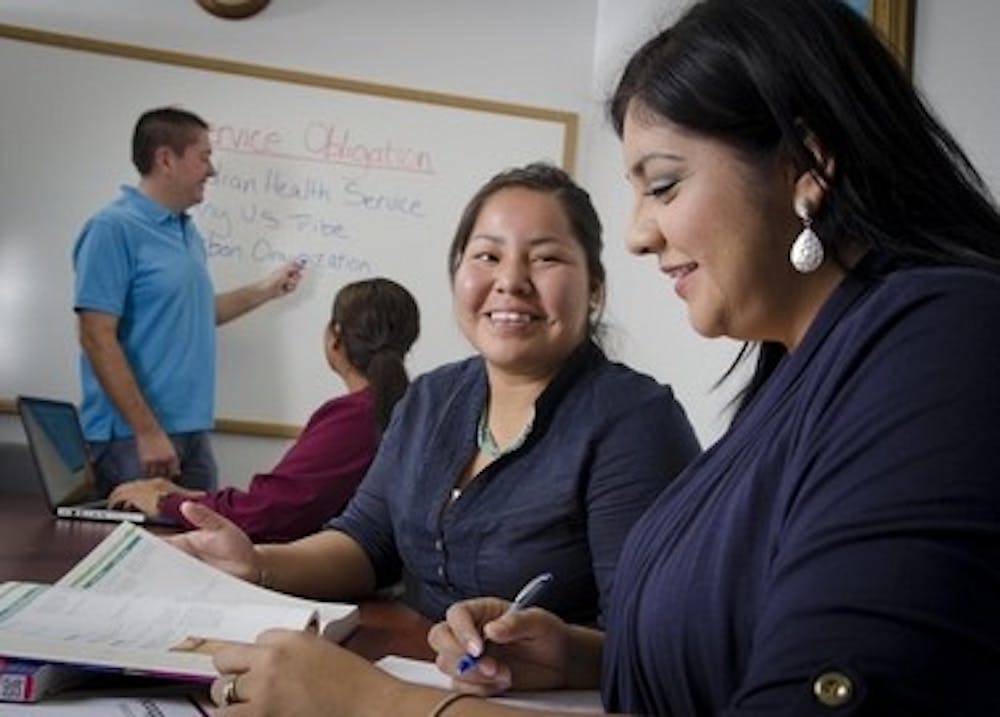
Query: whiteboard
{"type": "Point", "coordinates": [357, 179]}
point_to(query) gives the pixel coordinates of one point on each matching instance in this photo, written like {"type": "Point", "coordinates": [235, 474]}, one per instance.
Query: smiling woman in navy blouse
{"type": "Point", "coordinates": [837, 552]}
{"type": "Point", "coordinates": [536, 455]}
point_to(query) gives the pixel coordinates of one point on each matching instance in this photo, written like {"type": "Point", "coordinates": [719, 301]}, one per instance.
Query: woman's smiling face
{"type": "Point", "coordinates": [522, 290]}
{"type": "Point", "coordinates": [720, 228]}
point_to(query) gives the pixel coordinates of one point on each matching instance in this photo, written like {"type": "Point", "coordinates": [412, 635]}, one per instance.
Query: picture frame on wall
{"type": "Point", "coordinates": [894, 21]}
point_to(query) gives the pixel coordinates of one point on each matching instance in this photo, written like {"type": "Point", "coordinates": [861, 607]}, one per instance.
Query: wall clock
{"type": "Point", "coordinates": [233, 9]}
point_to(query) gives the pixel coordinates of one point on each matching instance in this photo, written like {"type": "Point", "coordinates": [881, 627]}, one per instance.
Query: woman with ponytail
{"type": "Point", "coordinates": [373, 325]}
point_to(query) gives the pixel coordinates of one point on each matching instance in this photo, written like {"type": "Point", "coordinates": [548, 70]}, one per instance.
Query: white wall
{"type": "Point", "coordinates": [477, 48]}
{"type": "Point", "coordinates": [957, 63]}
{"type": "Point", "coordinates": [555, 53]}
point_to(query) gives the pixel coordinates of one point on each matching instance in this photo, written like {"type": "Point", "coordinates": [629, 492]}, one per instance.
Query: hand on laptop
{"type": "Point", "coordinates": [145, 493]}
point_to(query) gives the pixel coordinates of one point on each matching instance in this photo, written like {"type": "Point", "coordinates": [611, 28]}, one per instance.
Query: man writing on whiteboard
{"type": "Point", "coordinates": [147, 313]}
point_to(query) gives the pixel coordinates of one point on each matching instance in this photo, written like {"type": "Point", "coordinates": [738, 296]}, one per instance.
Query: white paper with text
{"type": "Point", "coordinates": [117, 631]}
{"type": "Point", "coordinates": [133, 561]}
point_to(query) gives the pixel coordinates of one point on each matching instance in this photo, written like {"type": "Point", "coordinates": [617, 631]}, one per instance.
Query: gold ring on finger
{"type": "Point", "coordinates": [229, 694]}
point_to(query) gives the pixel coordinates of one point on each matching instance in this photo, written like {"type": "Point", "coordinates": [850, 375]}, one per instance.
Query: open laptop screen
{"type": "Point", "coordinates": [53, 431]}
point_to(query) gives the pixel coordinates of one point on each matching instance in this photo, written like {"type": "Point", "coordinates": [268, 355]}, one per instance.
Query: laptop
{"type": "Point", "coordinates": [63, 465]}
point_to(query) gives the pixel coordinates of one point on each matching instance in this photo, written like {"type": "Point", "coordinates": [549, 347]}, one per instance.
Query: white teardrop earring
{"type": "Point", "coordinates": [806, 253]}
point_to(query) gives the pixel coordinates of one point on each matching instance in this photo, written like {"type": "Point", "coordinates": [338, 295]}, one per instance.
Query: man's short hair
{"type": "Point", "coordinates": [163, 127]}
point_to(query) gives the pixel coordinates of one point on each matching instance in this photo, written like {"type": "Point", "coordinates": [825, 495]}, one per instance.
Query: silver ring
{"type": "Point", "coordinates": [229, 694]}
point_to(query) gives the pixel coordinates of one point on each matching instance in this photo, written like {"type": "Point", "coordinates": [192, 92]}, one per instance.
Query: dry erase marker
{"type": "Point", "coordinates": [300, 264]}
{"type": "Point", "coordinates": [525, 598]}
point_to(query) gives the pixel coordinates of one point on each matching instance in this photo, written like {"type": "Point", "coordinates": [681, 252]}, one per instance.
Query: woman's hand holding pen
{"type": "Point", "coordinates": [529, 648]}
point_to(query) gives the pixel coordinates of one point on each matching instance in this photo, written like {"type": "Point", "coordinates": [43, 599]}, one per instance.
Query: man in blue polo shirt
{"type": "Point", "coordinates": [147, 313]}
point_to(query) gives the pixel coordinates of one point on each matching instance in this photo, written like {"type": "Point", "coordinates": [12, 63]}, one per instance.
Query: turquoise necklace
{"type": "Point", "coordinates": [488, 444]}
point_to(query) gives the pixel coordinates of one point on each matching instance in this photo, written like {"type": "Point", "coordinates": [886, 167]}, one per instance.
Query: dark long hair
{"type": "Point", "coordinates": [762, 76]}
{"type": "Point", "coordinates": [378, 321]}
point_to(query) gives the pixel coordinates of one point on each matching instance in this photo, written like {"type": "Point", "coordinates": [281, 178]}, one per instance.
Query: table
{"type": "Point", "coordinates": [36, 546]}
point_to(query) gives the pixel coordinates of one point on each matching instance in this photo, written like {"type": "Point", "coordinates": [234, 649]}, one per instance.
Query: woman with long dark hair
{"type": "Point", "coordinates": [838, 550]}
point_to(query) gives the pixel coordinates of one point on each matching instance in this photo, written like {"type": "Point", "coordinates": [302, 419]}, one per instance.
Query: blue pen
{"type": "Point", "coordinates": [524, 598]}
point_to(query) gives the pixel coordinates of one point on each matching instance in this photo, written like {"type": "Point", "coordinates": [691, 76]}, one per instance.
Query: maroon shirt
{"type": "Point", "coordinates": [311, 483]}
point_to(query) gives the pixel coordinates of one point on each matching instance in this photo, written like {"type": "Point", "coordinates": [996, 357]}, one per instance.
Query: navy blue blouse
{"type": "Point", "coordinates": [838, 551]}
{"type": "Point", "coordinates": [605, 442]}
